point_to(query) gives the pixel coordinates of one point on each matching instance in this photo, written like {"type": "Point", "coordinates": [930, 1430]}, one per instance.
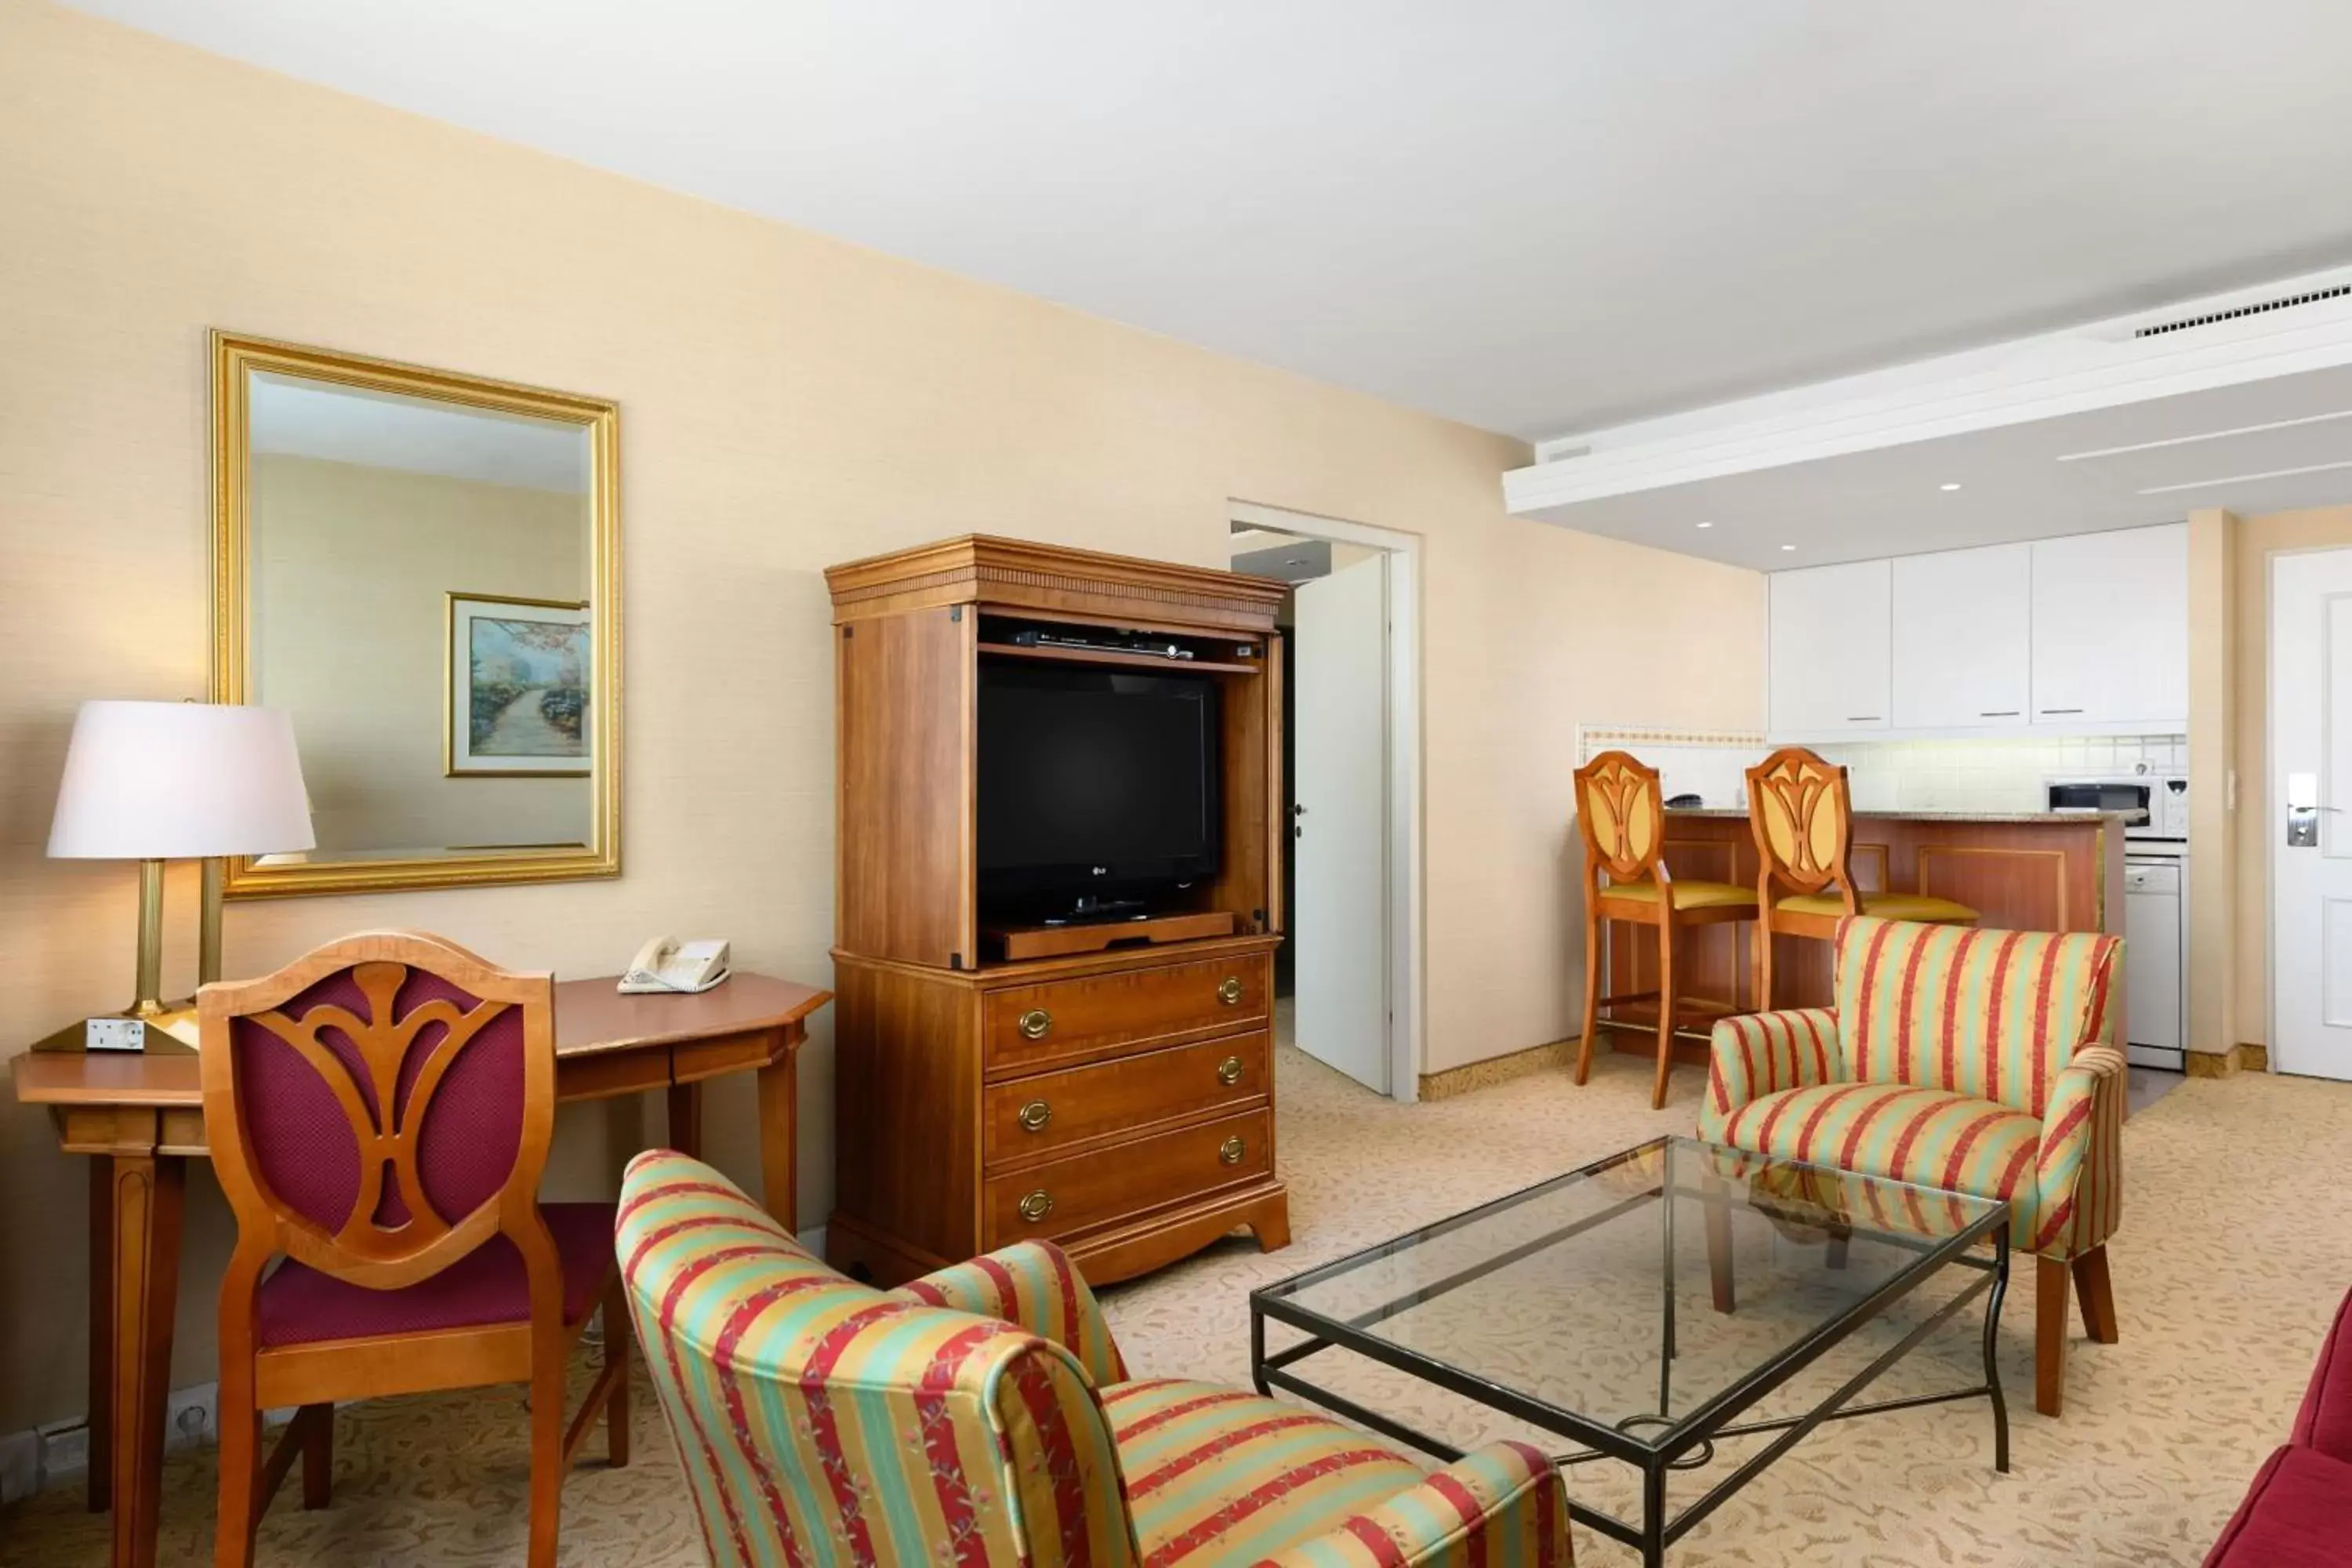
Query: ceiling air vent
{"type": "Point", "coordinates": [2261, 308]}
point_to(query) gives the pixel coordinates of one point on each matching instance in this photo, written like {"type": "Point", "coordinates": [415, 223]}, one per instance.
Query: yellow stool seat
{"type": "Point", "coordinates": [1687, 895]}
{"type": "Point", "coordinates": [1882, 906]}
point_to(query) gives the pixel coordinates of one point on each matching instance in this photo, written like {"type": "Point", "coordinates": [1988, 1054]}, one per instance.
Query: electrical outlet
{"type": "Point", "coordinates": [189, 1419]}
{"type": "Point", "coordinates": [20, 1466]}
{"type": "Point", "coordinates": [114, 1035]}
{"type": "Point", "coordinates": [65, 1450]}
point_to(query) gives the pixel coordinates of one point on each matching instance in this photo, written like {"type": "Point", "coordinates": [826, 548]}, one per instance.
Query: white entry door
{"type": "Point", "coordinates": [1339, 908]}
{"type": "Point", "coordinates": [2309, 813]}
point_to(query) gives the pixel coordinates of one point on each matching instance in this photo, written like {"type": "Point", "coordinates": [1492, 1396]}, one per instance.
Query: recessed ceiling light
{"type": "Point", "coordinates": [1788, 547]}
{"type": "Point", "coordinates": [1951, 487]}
{"type": "Point", "coordinates": [1706, 525]}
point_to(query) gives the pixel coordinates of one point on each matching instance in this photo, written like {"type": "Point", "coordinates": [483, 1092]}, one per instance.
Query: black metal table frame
{"type": "Point", "coordinates": [1690, 1442]}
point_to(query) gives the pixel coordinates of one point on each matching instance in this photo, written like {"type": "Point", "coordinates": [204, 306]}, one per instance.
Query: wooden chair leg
{"type": "Point", "coordinates": [546, 1457]}
{"type": "Point", "coordinates": [240, 1480]}
{"type": "Point", "coordinates": [1717, 1198]}
{"type": "Point", "coordinates": [1840, 1242]}
{"type": "Point", "coordinates": [1665, 1005]}
{"type": "Point", "coordinates": [1763, 965]}
{"type": "Point", "coordinates": [616, 1356]}
{"type": "Point", "coordinates": [319, 1457]}
{"type": "Point", "coordinates": [2097, 1296]}
{"type": "Point", "coordinates": [2050, 1282]}
{"type": "Point", "coordinates": [1592, 992]}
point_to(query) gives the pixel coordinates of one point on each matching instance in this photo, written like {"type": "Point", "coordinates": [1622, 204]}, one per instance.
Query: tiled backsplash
{"type": "Point", "coordinates": [1993, 775]}
{"type": "Point", "coordinates": [1904, 775]}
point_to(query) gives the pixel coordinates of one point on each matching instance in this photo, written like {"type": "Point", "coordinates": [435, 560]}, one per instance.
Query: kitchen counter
{"type": "Point", "coordinates": [2020, 870]}
{"type": "Point", "coordinates": [2004, 817]}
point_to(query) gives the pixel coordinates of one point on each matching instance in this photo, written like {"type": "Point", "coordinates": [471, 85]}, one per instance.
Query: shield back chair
{"type": "Point", "coordinates": [983, 1417]}
{"type": "Point", "coordinates": [1800, 812]}
{"type": "Point", "coordinates": [379, 1112]}
{"type": "Point", "coordinates": [1621, 813]}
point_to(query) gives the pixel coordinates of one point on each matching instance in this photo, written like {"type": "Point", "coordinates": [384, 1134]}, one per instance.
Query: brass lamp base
{"type": "Point", "coordinates": [170, 1031]}
{"type": "Point", "coordinates": [164, 1027]}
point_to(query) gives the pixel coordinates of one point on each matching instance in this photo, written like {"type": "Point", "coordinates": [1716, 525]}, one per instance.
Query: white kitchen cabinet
{"type": "Point", "coordinates": [1829, 655]}
{"type": "Point", "coordinates": [1961, 635]}
{"type": "Point", "coordinates": [2111, 628]}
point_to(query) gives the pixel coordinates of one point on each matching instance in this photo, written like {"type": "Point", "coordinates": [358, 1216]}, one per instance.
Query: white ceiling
{"type": "Point", "coordinates": [300, 418]}
{"type": "Point", "coordinates": [2029, 480]}
{"type": "Point", "coordinates": [1533, 215]}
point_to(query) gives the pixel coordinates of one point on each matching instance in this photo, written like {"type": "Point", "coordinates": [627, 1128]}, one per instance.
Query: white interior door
{"type": "Point", "coordinates": [1340, 923]}
{"type": "Point", "coordinates": [2310, 813]}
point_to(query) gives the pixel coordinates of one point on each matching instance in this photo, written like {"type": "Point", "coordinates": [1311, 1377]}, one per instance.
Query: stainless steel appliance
{"type": "Point", "coordinates": [2156, 905]}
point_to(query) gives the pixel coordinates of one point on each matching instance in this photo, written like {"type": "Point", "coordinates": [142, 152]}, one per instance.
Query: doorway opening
{"type": "Point", "coordinates": [1347, 978]}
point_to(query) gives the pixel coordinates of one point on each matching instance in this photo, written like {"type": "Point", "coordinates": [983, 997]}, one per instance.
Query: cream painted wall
{"type": "Point", "coordinates": [2213, 979]}
{"type": "Point", "coordinates": [787, 402]}
{"type": "Point", "coordinates": [352, 565]}
{"type": "Point", "coordinates": [2317, 528]}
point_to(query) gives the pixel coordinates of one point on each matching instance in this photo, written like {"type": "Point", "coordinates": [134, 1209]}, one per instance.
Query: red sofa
{"type": "Point", "coordinates": [2298, 1513]}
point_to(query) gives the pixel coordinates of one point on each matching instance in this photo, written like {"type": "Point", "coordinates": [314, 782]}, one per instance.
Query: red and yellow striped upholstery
{"type": "Point", "coordinates": [1036, 1285]}
{"type": "Point", "coordinates": [980, 1417]}
{"type": "Point", "coordinates": [1926, 1136]}
{"type": "Point", "coordinates": [1970, 1060]}
{"type": "Point", "coordinates": [1994, 1014]}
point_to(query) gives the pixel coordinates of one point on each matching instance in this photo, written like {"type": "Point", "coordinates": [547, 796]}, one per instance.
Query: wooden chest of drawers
{"type": "Point", "coordinates": [1120, 1103]}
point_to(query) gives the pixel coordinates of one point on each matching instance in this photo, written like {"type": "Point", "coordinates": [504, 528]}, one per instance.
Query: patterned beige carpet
{"type": "Point", "coordinates": [2236, 1245]}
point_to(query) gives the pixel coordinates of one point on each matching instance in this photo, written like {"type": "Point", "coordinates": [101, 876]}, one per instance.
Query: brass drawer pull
{"type": "Point", "coordinates": [1037, 1205]}
{"type": "Point", "coordinates": [1036, 1023]}
{"type": "Point", "coordinates": [1034, 1115]}
{"type": "Point", "coordinates": [1231, 1151]}
{"type": "Point", "coordinates": [1229, 1071]}
{"type": "Point", "coordinates": [1230, 992]}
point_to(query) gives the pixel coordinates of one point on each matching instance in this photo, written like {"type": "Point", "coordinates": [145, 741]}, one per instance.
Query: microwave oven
{"type": "Point", "coordinates": [2155, 805]}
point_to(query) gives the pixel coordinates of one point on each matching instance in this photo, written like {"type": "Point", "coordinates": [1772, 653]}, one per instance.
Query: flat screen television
{"type": "Point", "coordinates": [1097, 788]}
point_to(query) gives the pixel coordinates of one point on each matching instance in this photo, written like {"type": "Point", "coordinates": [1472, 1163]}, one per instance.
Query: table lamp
{"type": "Point", "coordinates": [152, 782]}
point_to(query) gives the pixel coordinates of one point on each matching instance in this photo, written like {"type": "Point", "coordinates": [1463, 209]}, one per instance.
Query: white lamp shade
{"type": "Point", "coordinates": [167, 781]}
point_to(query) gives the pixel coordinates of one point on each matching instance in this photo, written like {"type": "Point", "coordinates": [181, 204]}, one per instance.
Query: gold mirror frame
{"type": "Point", "coordinates": [234, 358]}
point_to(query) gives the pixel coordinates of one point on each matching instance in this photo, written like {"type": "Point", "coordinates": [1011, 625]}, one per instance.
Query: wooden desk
{"type": "Point", "coordinates": [143, 1117]}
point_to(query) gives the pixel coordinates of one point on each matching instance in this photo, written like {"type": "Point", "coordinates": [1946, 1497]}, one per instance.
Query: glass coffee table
{"type": "Point", "coordinates": [1644, 1305]}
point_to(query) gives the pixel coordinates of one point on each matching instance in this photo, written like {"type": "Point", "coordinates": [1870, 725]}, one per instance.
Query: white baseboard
{"type": "Point", "coordinates": [20, 1467]}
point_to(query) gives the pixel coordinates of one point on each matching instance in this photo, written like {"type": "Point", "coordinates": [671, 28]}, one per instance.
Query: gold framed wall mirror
{"type": "Point", "coordinates": [422, 569]}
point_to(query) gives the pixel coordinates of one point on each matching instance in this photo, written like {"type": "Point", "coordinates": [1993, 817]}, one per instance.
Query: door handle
{"type": "Point", "coordinates": [1997, 713]}
{"type": "Point", "coordinates": [1864, 718]}
{"type": "Point", "coordinates": [2057, 710]}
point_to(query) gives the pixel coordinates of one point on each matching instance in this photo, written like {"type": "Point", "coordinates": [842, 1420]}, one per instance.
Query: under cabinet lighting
{"type": "Point", "coordinates": [1951, 487]}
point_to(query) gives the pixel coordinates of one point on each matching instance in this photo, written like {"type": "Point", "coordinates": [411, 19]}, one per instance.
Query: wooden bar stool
{"type": "Point", "coordinates": [1621, 813]}
{"type": "Point", "coordinates": [1801, 813]}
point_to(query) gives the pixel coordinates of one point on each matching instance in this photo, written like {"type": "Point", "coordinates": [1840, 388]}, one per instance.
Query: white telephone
{"type": "Point", "coordinates": [667, 964]}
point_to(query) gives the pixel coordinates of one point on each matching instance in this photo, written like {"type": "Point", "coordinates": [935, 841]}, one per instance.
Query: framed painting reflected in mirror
{"type": "Point", "coordinates": [423, 568]}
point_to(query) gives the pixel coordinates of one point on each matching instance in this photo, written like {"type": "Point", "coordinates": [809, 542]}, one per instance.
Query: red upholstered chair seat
{"type": "Point", "coordinates": [298, 1305]}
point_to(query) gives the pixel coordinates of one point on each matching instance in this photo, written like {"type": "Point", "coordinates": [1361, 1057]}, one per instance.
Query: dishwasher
{"type": "Point", "coordinates": [2155, 977]}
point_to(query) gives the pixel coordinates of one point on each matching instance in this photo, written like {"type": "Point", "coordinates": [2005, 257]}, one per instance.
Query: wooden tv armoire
{"type": "Point", "coordinates": [1109, 1088]}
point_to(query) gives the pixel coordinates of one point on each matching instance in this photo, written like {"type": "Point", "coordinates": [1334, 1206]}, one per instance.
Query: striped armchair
{"type": "Point", "coordinates": [982, 1416]}
{"type": "Point", "coordinates": [1964, 1060]}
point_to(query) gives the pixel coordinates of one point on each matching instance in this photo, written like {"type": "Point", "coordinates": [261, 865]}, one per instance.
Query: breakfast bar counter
{"type": "Point", "coordinates": [2020, 871]}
